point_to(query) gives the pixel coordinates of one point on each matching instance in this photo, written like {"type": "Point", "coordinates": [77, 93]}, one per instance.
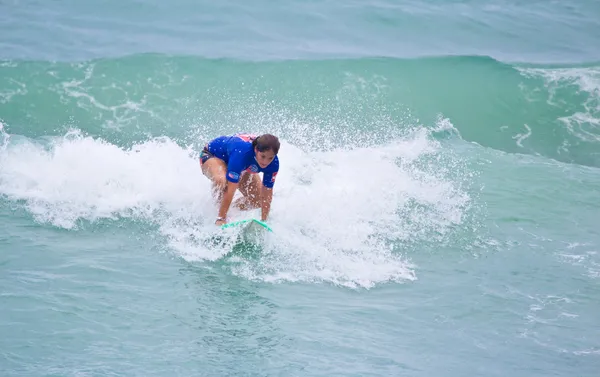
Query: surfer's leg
{"type": "Point", "coordinates": [215, 169]}
{"type": "Point", "coordinates": [250, 189]}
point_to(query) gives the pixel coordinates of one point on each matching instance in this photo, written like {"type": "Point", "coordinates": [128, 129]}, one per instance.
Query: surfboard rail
{"type": "Point", "coordinates": [246, 222]}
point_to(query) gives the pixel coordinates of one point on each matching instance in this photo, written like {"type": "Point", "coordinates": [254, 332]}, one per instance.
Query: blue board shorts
{"type": "Point", "coordinates": [205, 155]}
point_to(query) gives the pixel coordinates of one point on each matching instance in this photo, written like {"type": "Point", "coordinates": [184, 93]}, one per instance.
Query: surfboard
{"type": "Point", "coordinates": [247, 223]}
{"type": "Point", "coordinates": [250, 231]}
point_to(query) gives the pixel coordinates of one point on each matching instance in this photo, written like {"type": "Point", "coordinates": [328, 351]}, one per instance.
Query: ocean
{"type": "Point", "coordinates": [434, 214]}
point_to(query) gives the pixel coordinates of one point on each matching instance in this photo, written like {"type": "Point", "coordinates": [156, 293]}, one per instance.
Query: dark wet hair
{"type": "Point", "coordinates": [266, 142]}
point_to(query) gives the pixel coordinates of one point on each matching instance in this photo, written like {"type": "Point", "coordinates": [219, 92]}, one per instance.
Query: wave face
{"type": "Point", "coordinates": [548, 111]}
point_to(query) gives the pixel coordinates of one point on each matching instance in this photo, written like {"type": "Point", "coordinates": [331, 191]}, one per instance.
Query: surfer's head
{"type": "Point", "coordinates": [266, 148]}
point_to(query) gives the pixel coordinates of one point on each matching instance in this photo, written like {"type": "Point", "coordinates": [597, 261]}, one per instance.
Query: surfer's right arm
{"type": "Point", "coordinates": [233, 175]}
{"type": "Point", "coordinates": [226, 203]}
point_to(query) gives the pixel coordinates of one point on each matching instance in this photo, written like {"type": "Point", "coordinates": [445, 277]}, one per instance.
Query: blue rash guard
{"type": "Point", "coordinates": [237, 152]}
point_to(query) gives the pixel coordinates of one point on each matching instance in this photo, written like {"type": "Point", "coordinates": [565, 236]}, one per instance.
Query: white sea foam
{"type": "Point", "coordinates": [336, 214]}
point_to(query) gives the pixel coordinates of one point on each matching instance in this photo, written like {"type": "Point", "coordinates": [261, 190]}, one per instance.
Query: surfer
{"type": "Point", "coordinates": [234, 161]}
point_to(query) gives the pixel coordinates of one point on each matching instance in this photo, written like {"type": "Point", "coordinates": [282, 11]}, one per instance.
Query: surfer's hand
{"type": "Point", "coordinates": [219, 221]}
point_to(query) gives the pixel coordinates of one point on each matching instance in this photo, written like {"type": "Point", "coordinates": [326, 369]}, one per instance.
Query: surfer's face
{"type": "Point", "coordinates": [264, 158]}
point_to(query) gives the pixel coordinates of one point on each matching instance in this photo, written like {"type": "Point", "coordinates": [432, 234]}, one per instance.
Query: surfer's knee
{"type": "Point", "coordinates": [253, 199]}
{"type": "Point", "coordinates": [244, 203]}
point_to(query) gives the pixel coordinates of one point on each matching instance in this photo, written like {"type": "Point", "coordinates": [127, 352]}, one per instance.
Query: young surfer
{"type": "Point", "coordinates": [234, 161]}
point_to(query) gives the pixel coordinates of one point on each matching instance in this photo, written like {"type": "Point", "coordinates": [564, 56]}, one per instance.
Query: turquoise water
{"type": "Point", "coordinates": [435, 213]}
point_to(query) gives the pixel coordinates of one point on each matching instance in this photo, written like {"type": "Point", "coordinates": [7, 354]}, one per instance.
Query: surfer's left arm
{"type": "Point", "coordinates": [266, 194]}
{"type": "Point", "coordinates": [266, 197]}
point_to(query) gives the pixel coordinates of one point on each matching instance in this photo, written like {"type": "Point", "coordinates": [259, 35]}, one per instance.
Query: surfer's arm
{"type": "Point", "coordinates": [233, 175]}
{"type": "Point", "coordinates": [226, 202]}
{"type": "Point", "coordinates": [266, 196]}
